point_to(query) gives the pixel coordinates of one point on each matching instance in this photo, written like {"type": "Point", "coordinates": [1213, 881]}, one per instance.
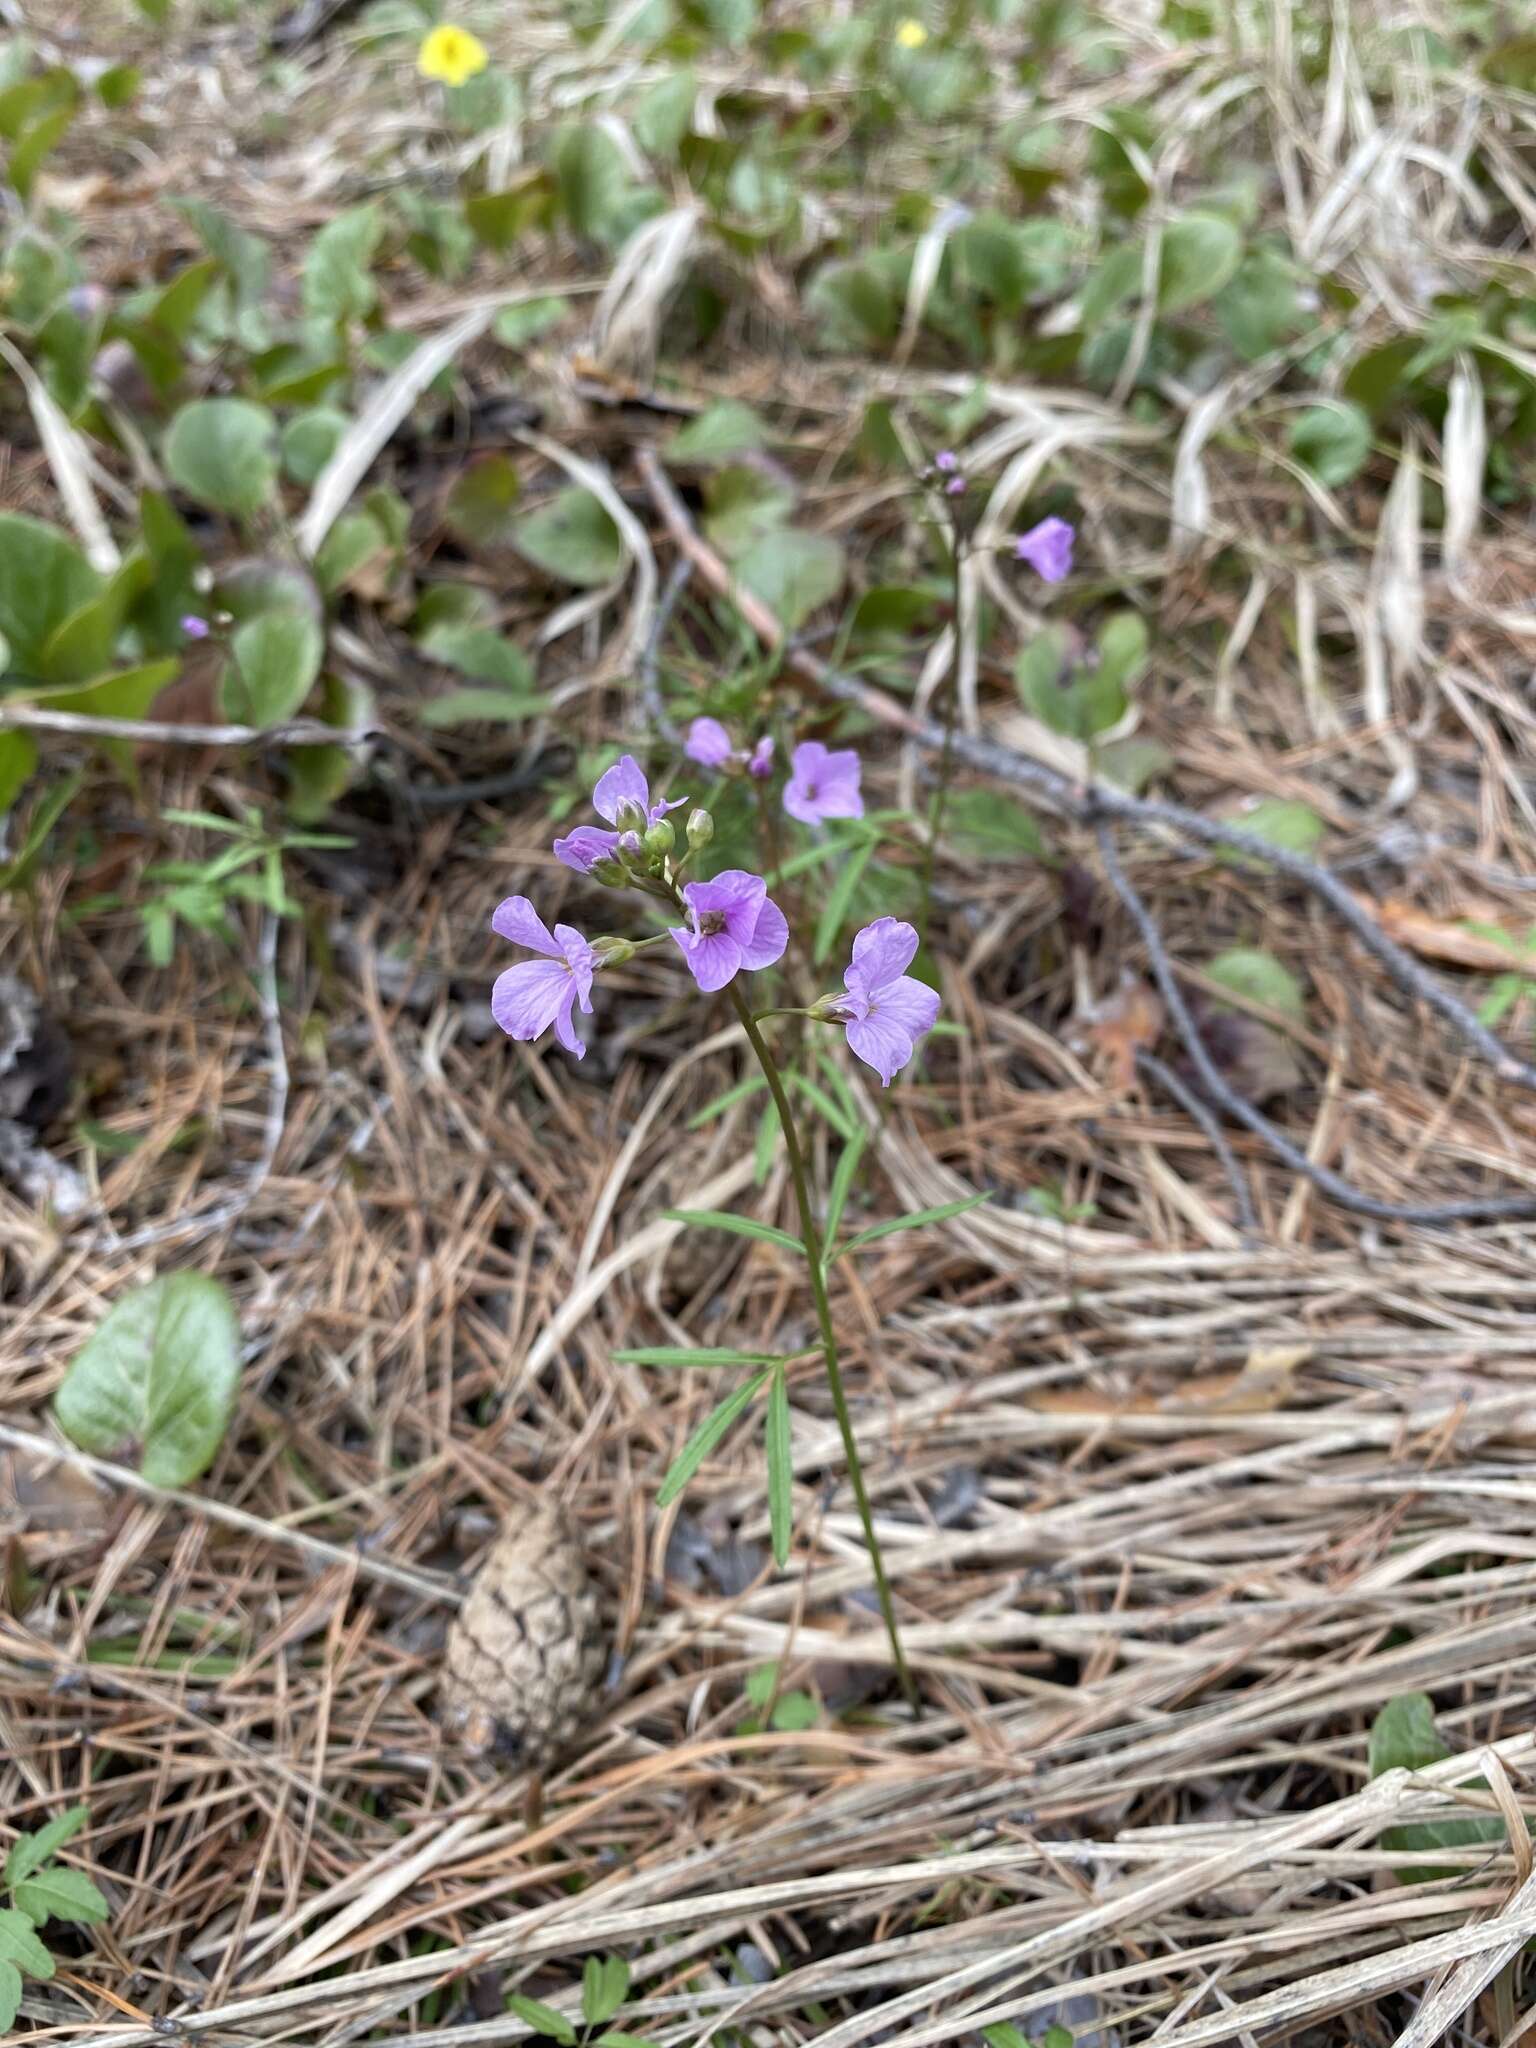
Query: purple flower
{"type": "Point", "coordinates": [947, 461]}
{"type": "Point", "coordinates": [760, 763]}
{"type": "Point", "coordinates": [955, 488]}
{"type": "Point", "coordinates": [708, 743]}
{"type": "Point", "coordinates": [886, 1011]}
{"type": "Point", "coordinates": [823, 785]}
{"type": "Point", "coordinates": [195, 628]}
{"type": "Point", "coordinates": [624, 783]}
{"type": "Point", "coordinates": [534, 994]}
{"type": "Point", "coordinates": [1048, 549]}
{"type": "Point", "coordinates": [732, 924]}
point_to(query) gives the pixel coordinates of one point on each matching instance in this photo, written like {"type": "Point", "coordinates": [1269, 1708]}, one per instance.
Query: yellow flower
{"type": "Point", "coordinates": [911, 35]}
{"type": "Point", "coordinates": [451, 54]}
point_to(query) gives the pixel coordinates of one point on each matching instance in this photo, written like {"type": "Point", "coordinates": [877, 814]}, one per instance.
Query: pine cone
{"type": "Point", "coordinates": [525, 1652]}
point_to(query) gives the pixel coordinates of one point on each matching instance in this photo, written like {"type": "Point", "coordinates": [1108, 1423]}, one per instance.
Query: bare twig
{"type": "Point", "coordinates": [1227, 1098]}
{"type": "Point", "coordinates": [297, 732]}
{"type": "Point", "coordinates": [1199, 1112]}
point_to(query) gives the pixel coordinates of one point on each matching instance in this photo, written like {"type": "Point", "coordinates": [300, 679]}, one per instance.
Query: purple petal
{"type": "Point", "coordinates": [881, 1043]}
{"type": "Point", "coordinates": [708, 743]}
{"type": "Point", "coordinates": [956, 487]}
{"type": "Point", "coordinates": [527, 998]}
{"type": "Point", "coordinates": [1048, 549]}
{"type": "Point", "coordinates": [761, 763]}
{"type": "Point", "coordinates": [194, 627]}
{"type": "Point", "coordinates": [624, 780]}
{"type": "Point", "coordinates": [733, 895]}
{"type": "Point", "coordinates": [947, 460]}
{"type": "Point", "coordinates": [822, 784]}
{"type": "Point", "coordinates": [713, 960]}
{"type": "Point", "coordinates": [881, 951]}
{"type": "Point", "coordinates": [565, 1029]}
{"type": "Point", "coordinates": [660, 808]}
{"type": "Point", "coordinates": [769, 938]}
{"type": "Point", "coordinates": [585, 846]}
{"type": "Point", "coordinates": [909, 1004]}
{"type": "Point", "coordinates": [517, 920]}
{"type": "Point", "coordinates": [581, 959]}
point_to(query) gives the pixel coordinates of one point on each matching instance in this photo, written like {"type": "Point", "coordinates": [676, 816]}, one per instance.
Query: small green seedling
{"type": "Point", "coordinates": [39, 1890]}
{"type": "Point", "coordinates": [604, 1988]}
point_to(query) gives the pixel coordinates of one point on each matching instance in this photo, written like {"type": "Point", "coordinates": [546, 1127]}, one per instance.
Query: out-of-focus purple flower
{"type": "Point", "coordinates": [534, 994]}
{"type": "Point", "coordinates": [823, 785]}
{"type": "Point", "coordinates": [732, 924]}
{"type": "Point", "coordinates": [955, 488]}
{"type": "Point", "coordinates": [760, 762]}
{"type": "Point", "coordinates": [708, 743]}
{"type": "Point", "coordinates": [886, 1010]}
{"type": "Point", "coordinates": [947, 461]}
{"type": "Point", "coordinates": [1048, 549]}
{"type": "Point", "coordinates": [194, 627]}
{"type": "Point", "coordinates": [624, 783]}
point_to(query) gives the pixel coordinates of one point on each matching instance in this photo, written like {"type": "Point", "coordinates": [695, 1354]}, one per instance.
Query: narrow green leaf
{"type": "Point", "coordinates": [47, 814]}
{"type": "Point", "coordinates": [840, 895]}
{"type": "Point", "coordinates": [543, 2019]}
{"type": "Point", "coordinates": [706, 1436]}
{"type": "Point", "coordinates": [766, 1143]}
{"type": "Point", "coordinates": [18, 758]}
{"type": "Point", "coordinates": [825, 1107]}
{"type": "Point", "coordinates": [59, 1894]}
{"type": "Point", "coordinates": [781, 1467]}
{"type": "Point", "coordinates": [34, 1850]}
{"type": "Point", "coordinates": [739, 1226]}
{"type": "Point", "coordinates": [10, 1995]}
{"type": "Point", "coordinates": [679, 1354]}
{"type": "Point", "coordinates": [842, 1181]}
{"type": "Point", "coordinates": [912, 1222]}
{"type": "Point", "coordinates": [753, 1085]}
{"type": "Point", "coordinates": [617, 2040]}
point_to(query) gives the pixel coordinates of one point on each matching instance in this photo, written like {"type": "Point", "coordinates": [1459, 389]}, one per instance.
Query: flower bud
{"type": "Point", "coordinates": [701, 828]}
{"type": "Point", "coordinates": [660, 838]}
{"type": "Point", "coordinates": [631, 852]}
{"type": "Point", "coordinates": [829, 1009]}
{"type": "Point", "coordinates": [610, 872]}
{"type": "Point", "coordinates": [630, 816]}
{"type": "Point", "coordinates": [612, 952]}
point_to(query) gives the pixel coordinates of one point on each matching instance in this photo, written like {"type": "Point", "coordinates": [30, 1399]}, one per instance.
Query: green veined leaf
{"type": "Point", "coordinates": [59, 1894]}
{"type": "Point", "coordinates": [19, 1944]}
{"type": "Point", "coordinates": [604, 1988]}
{"type": "Point", "coordinates": [705, 1355]}
{"type": "Point", "coordinates": [543, 2019]}
{"type": "Point", "coordinates": [32, 1851]}
{"type": "Point", "coordinates": [739, 1226]}
{"type": "Point", "coordinates": [912, 1222]}
{"type": "Point", "coordinates": [753, 1085]}
{"type": "Point", "coordinates": [835, 910]}
{"type": "Point", "coordinates": [706, 1436]}
{"type": "Point", "coordinates": [781, 1467]}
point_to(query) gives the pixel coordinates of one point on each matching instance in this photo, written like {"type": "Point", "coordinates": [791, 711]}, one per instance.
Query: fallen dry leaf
{"type": "Point", "coordinates": [1114, 1031]}
{"type": "Point", "coordinates": [1435, 938]}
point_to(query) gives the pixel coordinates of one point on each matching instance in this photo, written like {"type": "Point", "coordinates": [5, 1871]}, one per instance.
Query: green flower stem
{"type": "Point", "coordinates": [811, 1238]}
{"type": "Point", "coordinates": [940, 802]}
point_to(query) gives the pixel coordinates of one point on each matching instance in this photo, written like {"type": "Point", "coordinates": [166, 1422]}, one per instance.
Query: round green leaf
{"type": "Point", "coordinates": [1262, 979]}
{"type": "Point", "coordinates": [223, 452]}
{"type": "Point", "coordinates": [480, 502]}
{"type": "Point", "coordinates": [793, 573]}
{"type": "Point", "coordinates": [310, 439]}
{"type": "Point", "coordinates": [1332, 440]}
{"type": "Point", "coordinates": [44, 579]}
{"type": "Point", "coordinates": [156, 1381]}
{"type": "Point", "coordinates": [276, 660]}
{"type": "Point", "coordinates": [572, 538]}
{"type": "Point", "coordinates": [1200, 254]}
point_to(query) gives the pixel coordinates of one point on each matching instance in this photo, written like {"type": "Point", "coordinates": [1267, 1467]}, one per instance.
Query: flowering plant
{"type": "Point", "coordinates": [725, 928]}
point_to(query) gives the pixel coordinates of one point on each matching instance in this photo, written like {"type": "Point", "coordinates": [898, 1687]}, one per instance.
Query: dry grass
{"type": "Point", "coordinates": [1170, 1516]}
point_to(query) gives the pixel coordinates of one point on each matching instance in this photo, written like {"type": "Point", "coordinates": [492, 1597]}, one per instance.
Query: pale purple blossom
{"type": "Point", "coordinates": [732, 924]}
{"type": "Point", "coordinates": [708, 743]}
{"type": "Point", "coordinates": [823, 785]}
{"type": "Point", "coordinates": [1048, 549]}
{"type": "Point", "coordinates": [955, 488]}
{"type": "Point", "coordinates": [623, 783]}
{"type": "Point", "coordinates": [194, 627]}
{"type": "Point", "coordinates": [886, 1010]}
{"type": "Point", "coordinates": [534, 994]}
{"type": "Point", "coordinates": [760, 762]}
{"type": "Point", "coordinates": [947, 461]}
